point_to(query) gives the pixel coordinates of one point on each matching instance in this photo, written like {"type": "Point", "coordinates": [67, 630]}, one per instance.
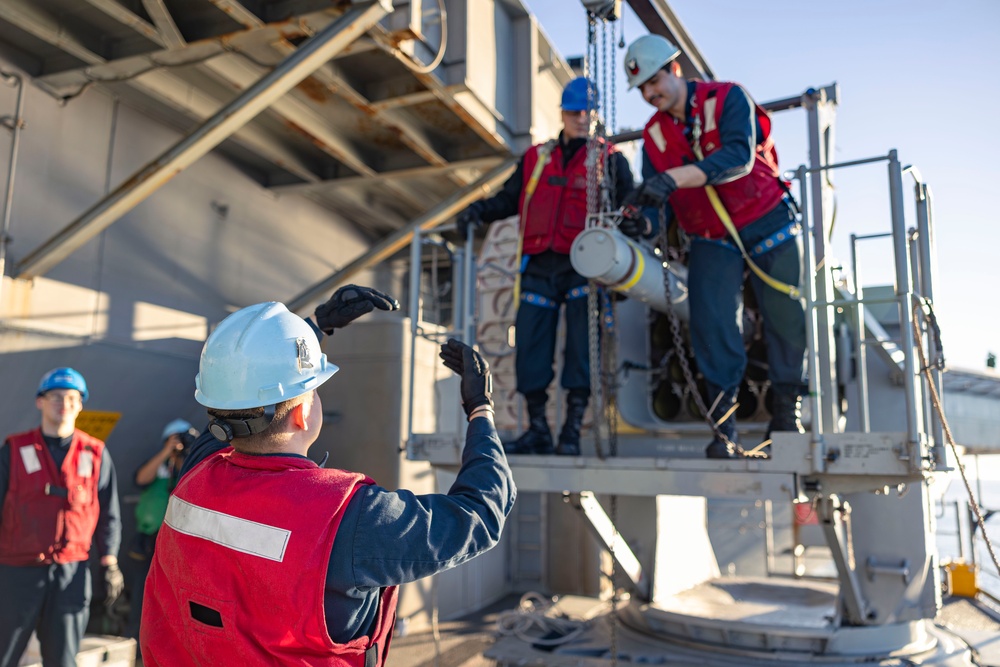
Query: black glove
{"type": "Point", "coordinates": [634, 224]}
{"type": "Point", "coordinates": [653, 191]}
{"type": "Point", "coordinates": [471, 217]}
{"type": "Point", "coordinates": [477, 383]}
{"type": "Point", "coordinates": [114, 584]}
{"type": "Point", "coordinates": [348, 304]}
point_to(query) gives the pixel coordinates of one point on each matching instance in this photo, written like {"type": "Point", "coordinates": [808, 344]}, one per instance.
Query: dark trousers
{"type": "Point", "coordinates": [715, 284]}
{"type": "Point", "coordinates": [54, 601]}
{"type": "Point", "coordinates": [551, 276]}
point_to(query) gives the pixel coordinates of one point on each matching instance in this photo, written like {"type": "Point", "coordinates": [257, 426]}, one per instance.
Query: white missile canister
{"type": "Point", "coordinates": [610, 258]}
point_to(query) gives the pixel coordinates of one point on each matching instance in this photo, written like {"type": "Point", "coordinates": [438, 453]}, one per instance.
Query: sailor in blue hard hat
{"type": "Point", "coordinates": [549, 193]}
{"type": "Point", "coordinates": [60, 504]}
{"type": "Point", "coordinates": [579, 98]}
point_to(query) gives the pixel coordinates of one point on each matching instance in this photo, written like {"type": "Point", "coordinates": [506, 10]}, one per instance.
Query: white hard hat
{"type": "Point", "coordinates": [175, 427]}
{"type": "Point", "coordinates": [259, 356]}
{"type": "Point", "coordinates": [646, 56]}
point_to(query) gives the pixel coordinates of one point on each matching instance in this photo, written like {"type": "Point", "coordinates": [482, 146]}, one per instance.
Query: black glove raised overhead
{"type": "Point", "coordinates": [477, 383]}
{"type": "Point", "coordinates": [114, 584]}
{"type": "Point", "coordinates": [470, 219]}
{"type": "Point", "coordinates": [348, 304]}
{"type": "Point", "coordinates": [653, 191]}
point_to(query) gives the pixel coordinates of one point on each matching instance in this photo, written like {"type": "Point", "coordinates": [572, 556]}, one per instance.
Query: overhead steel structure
{"type": "Point", "coordinates": [331, 99]}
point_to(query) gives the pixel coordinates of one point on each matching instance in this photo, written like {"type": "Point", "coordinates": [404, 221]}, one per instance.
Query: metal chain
{"type": "Point", "coordinates": [610, 329]}
{"type": "Point", "coordinates": [593, 302]}
{"type": "Point", "coordinates": [594, 351]}
{"type": "Point", "coordinates": [936, 400]}
{"type": "Point", "coordinates": [680, 349]}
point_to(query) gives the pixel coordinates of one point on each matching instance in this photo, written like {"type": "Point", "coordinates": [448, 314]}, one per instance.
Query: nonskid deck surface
{"type": "Point", "coordinates": [790, 615]}
{"type": "Point", "coordinates": [792, 604]}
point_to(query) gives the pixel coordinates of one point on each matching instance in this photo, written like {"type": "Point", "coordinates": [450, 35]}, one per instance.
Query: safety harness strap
{"type": "Point", "coordinates": [791, 290]}
{"type": "Point", "coordinates": [539, 300]}
{"type": "Point", "coordinates": [544, 153]}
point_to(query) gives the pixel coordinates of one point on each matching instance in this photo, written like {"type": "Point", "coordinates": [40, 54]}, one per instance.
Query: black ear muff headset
{"type": "Point", "coordinates": [227, 429]}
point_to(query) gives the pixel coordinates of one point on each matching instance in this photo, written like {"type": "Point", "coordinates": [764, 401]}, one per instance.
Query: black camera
{"type": "Point", "coordinates": [187, 438]}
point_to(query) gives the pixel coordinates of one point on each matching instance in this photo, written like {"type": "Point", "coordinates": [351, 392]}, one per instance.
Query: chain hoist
{"type": "Point", "coordinates": [602, 179]}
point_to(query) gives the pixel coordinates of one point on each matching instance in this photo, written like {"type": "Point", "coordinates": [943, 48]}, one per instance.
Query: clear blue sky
{"type": "Point", "coordinates": [920, 76]}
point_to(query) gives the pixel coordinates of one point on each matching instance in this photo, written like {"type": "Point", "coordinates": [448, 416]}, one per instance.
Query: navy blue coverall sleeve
{"type": "Point", "coordinates": [108, 535]}
{"type": "Point", "coordinates": [504, 203]}
{"type": "Point", "coordinates": [394, 537]}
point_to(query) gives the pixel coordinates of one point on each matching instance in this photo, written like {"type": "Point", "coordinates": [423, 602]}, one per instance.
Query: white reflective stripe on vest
{"type": "Point", "coordinates": [250, 537]}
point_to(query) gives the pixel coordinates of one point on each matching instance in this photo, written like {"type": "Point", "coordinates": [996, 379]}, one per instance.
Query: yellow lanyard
{"type": "Point", "coordinates": [727, 222]}
{"type": "Point", "coordinates": [544, 153]}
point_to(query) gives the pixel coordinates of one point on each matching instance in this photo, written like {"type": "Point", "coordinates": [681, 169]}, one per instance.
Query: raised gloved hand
{"type": "Point", "coordinates": [634, 224]}
{"type": "Point", "coordinates": [653, 191]}
{"type": "Point", "coordinates": [470, 219]}
{"type": "Point", "coordinates": [114, 583]}
{"type": "Point", "coordinates": [348, 304]}
{"type": "Point", "coordinates": [477, 383]}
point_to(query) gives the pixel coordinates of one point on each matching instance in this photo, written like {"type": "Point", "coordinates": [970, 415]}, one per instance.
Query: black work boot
{"type": "Point", "coordinates": [786, 409]}
{"type": "Point", "coordinates": [719, 448]}
{"type": "Point", "coordinates": [538, 438]}
{"type": "Point", "coordinates": [569, 437]}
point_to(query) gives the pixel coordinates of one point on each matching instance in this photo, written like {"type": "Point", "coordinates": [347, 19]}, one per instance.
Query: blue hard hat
{"type": "Point", "coordinates": [580, 94]}
{"type": "Point", "coordinates": [175, 427]}
{"type": "Point", "coordinates": [63, 378]}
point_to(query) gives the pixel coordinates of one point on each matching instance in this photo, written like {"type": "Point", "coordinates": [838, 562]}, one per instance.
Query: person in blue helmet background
{"type": "Point", "coordinates": [155, 478]}
{"type": "Point", "coordinates": [60, 495]}
{"type": "Point", "coordinates": [549, 192]}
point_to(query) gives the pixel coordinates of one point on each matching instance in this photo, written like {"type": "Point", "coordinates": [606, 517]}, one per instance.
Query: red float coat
{"type": "Point", "coordinates": [239, 571]}
{"type": "Point", "coordinates": [50, 514]}
{"type": "Point", "coordinates": [747, 198]}
{"type": "Point", "coordinates": [557, 211]}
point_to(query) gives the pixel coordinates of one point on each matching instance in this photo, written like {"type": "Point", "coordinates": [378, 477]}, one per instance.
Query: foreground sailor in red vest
{"type": "Point", "coordinates": [59, 493]}
{"type": "Point", "coordinates": [552, 214]}
{"type": "Point", "coordinates": [713, 134]}
{"type": "Point", "coordinates": [265, 557]}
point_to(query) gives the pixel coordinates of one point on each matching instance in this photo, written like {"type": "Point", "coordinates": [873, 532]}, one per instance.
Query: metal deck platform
{"type": "Point", "coordinates": [654, 464]}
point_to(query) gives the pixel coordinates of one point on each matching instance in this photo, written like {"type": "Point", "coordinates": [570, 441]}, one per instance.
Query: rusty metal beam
{"type": "Point", "coordinates": [239, 13]}
{"type": "Point", "coordinates": [401, 237]}
{"type": "Point", "coordinates": [195, 52]}
{"type": "Point", "coordinates": [159, 85]}
{"type": "Point", "coordinates": [174, 92]}
{"type": "Point", "coordinates": [116, 11]}
{"type": "Point", "coordinates": [333, 184]}
{"type": "Point", "coordinates": [42, 25]}
{"type": "Point", "coordinates": [298, 115]}
{"type": "Point", "coordinates": [411, 137]}
{"type": "Point", "coordinates": [430, 81]}
{"type": "Point", "coordinates": [659, 19]}
{"type": "Point", "coordinates": [309, 56]}
{"type": "Point", "coordinates": [165, 24]}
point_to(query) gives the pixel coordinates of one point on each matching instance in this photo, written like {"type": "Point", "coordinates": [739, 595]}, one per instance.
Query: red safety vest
{"type": "Point", "coordinates": [50, 514]}
{"type": "Point", "coordinates": [239, 571]}
{"type": "Point", "coordinates": [557, 211]}
{"type": "Point", "coordinates": [747, 198]}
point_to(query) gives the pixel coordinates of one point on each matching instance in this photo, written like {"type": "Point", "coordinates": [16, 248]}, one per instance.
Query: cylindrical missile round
{"type": "Point", "coordinates": [610, 258]}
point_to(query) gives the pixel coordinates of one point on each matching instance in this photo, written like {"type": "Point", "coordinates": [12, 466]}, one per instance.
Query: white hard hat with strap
{"type": "Point", "coordinates": [646, 56]}
{"type": "Point", "coordinates": [260, 356]}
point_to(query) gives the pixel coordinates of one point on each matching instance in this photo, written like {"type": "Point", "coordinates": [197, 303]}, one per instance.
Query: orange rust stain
{"type": "Point", "coordinates": [313, 89]}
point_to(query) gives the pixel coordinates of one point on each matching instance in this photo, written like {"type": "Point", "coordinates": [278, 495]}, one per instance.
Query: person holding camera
{"type": "Point", "coordinates": [156, 478]}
